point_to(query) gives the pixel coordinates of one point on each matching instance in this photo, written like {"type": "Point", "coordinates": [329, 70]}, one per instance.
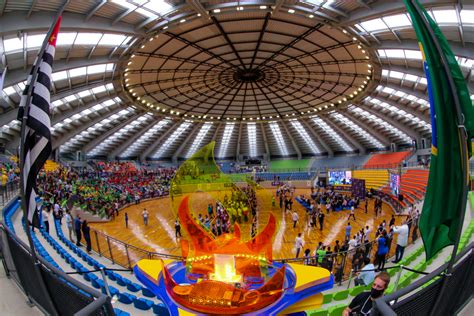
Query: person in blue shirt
{"type": "Point", "coordinates": [77, 229]}
{"type": "Point", "coordinates": [382, 250]}
{"type": "Point", "coordinates": [348, 231]}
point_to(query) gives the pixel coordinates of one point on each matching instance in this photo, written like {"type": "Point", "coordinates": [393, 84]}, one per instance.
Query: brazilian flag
{"type": "Point", "coordinates": [440, 218]}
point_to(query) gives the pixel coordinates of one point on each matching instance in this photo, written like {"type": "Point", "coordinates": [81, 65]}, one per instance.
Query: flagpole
{"type": "Point", "coordinates": [34, 76]}
{"type": "Point", "coordinates": [463, 140]}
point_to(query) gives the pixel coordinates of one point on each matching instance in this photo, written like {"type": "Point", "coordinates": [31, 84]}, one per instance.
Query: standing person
{"type": "Point", "coordinates": [45, 219]}
{"type": "Point", "coordinates": [126, 220]}
{"type": "Point", "coordinates": [366, 204]}
{"type": "Point", "coordinates": [299, 243]}
{"type": "Point", "coordinates": [352, 213]}
{"type": "Point", "coordinates": [69, 224]}
{"type": "Point", "coordinates": [362, 303]}
{"type": "Point", "coordinates": [177, 228]}
{"type": "Point", "coordinates": [86, 231]}
{"type": "Point", "coordinates": [145, 216]}
{"type": "Point", "coordinates": [321, 220]}
{"type": "Point", "coordinates": [77, 228]}
{"type": "Point", "coordinates": [402, 241]}
{"type": "Point", "coordinates": [295, 218]}
{"type": "Point", "coordinates": [382, 250]}
{"type": "Point", "coordinates": [321, 253]}
{"type": "Point", "coordinates": [348, 231]}
{"type": "Point", "coordinates": [392, 221]}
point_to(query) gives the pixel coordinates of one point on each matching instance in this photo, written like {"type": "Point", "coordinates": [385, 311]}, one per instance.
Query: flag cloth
{"type": "Point", "coordinates": [440, 218]}
{"type": "Point", "coordinates": [36, 139]}
{"type": "Point", "coordinates": [2, 77]}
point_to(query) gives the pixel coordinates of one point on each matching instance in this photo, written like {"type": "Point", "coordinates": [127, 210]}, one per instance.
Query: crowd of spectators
{"type": "Point", "coordinates": [9, 171]}
{"type": "Point", "coordinates": [356, 248]}
{"type": "Point", "coordinates": [103, 190]}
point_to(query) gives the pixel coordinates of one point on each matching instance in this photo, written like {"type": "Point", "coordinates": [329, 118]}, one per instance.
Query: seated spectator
{"type": "Point", "coordinates": [367, 275]}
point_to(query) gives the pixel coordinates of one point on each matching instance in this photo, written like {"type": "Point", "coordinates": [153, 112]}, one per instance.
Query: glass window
{"type": "Point", "coordinates": [398, 20]}
{"type": "Point", "coordinates": [87, 38]}
{"type": "Point", "coordinates": [13, 44]}
{"type": "Point", "coordinates": [373, 25]}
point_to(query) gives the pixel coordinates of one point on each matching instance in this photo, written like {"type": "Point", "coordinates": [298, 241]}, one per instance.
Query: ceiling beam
{"type": "Point", "coordinates": [457, 47]}
{"type": "Point", "coordinates": [59, 117]}
{"type": "Point", "coordinates": [17, 20]}
{"type": "Point", "coordinates": [354, 142]}
{"type": "Point", "coordinates": [181, 147]}
{"type": "Point", "coordinates": [394, 122]}
{"type": "Point", "coordinates": [94, 10]}
{"type": "Point", "coordinates": [265, 141]}
{"type": "Point", "coordinates": [96, 141]}
{"type": "Point", "coordinates": [58, 141]}
{"type": "Point", "coordinates": [424, 116]}
{"type": "Point", "coordinates": [130, 140]}
{"type": "Point", "coordinates": [292, 140]}
{"type": "Point", "coordinates": [316, 135]}
{"type": "Point", "coordinates": [158, 141]}
{"type": "Point", "coordinates": [369, 129]}
{"type": "Point", "coordinates": [237, 150]}
{"type": "Point", "coordinates": [385, 7]}
{"type": "Point", "coordinates": [19, 75]}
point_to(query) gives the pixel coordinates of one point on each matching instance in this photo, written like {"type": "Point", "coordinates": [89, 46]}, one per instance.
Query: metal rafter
{"type": "Point", "coordinates": [226, 37]}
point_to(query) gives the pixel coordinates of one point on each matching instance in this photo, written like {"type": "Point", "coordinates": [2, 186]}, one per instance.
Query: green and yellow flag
{"type": "Point", "coordinates": [440, 218]}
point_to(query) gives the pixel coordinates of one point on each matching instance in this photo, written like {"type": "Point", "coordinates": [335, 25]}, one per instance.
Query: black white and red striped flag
{"type": "Point", "coordinates": [33, 112]}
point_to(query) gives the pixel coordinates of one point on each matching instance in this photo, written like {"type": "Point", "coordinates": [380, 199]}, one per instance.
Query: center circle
{"type": "Point", "coordinates": [248, 75]}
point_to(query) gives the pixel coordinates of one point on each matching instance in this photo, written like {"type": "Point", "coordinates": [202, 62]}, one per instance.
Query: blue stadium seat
{"type": "Point", "coordinates": [134, 287]}
{"type": "Point", "coordinates": [146, 292]}
{"type": "Point", "coordinates": [143, 304]}
{"type": "Point", "coordinates": [126, 298]}
{"type": "Point", "coordinates": [160, 309]}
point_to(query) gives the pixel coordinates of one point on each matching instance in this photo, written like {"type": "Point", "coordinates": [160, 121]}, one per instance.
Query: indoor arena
{"type": "Point", "coordinates": [288, 157]}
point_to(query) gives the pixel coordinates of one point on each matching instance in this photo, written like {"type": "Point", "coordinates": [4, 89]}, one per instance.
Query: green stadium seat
{"type": "Point", "coordinates": [336, 310]}
{"type": "Point", "coordinates": [327, 298]}
{"type": "Point", "coordinates": [390, 289]}
{"type": "Point", "coordinates": [317, 312]}
{"type": "Point", "coordinates": [393, 272]}
{"type": "Point", "coordinates": [341, 295]}
{"type": "Point", "coordinates": [356, 290]}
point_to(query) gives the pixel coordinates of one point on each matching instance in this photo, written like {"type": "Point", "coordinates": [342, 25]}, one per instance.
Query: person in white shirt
{"type": "Point", "coordinates": [352, 213]}
{"type": "Point", "coordinates": [295, 218]}
{"type": "Point", "coordinates": [69, 224]}
{"type": "Point", "coordinates": [352, 243]}
{"type": "Point", "coordinates": [402, 241]}
{"type": "Point", "coordinates": [299, 243]}
{"type": "Point", "coordinates": [45, 219]}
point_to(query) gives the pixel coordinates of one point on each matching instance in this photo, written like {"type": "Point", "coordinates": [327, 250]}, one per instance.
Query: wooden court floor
{"type": "Point", "coordinates": [159, 234]}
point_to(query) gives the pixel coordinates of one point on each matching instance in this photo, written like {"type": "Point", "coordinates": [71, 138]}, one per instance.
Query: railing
{"type": "Point", "coordinates": [420, 297]}
{"type": "Point", "coordinates": [343, 263]}
{"type": "Point", "coordinates": [122, 253]}
{"type": "Point", "coordinates": [61, 294]}
{"type": "Point", "coordinates": [8, 192]}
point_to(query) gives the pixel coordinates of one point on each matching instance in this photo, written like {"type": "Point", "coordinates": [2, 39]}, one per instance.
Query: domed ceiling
{"type": "Point", "coordinates": [157, 80]}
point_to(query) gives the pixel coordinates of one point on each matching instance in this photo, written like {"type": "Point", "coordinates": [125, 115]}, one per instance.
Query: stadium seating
{"type": "Point", "coordinates": [389, 160]}
{"type": "Point", "coordinates": [374, 179]}
{"type": "Point", "coordinates": [346, 162]}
